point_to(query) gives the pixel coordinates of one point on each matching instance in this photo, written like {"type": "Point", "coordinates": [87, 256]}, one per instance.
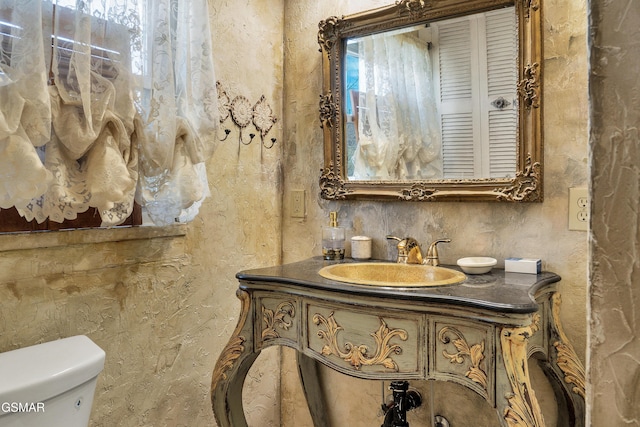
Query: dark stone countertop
{"type": "Point", "coordinates": [496, 291]}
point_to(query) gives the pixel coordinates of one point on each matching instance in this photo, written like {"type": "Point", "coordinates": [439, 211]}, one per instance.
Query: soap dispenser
{"type": "Point", "coordinates": [333, 238]}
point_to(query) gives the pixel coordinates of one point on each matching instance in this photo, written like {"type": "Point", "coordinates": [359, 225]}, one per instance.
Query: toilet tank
{"type": "Point", "coordinates": [50, 384]}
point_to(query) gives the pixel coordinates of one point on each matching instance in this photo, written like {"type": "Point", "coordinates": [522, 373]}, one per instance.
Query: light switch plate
{"type": "Point", "coordinates": [297, 203]}
{"type": "Point", "coordinates": [578, 209]}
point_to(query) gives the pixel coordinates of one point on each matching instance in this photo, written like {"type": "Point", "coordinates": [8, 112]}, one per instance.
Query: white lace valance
{"type": "Point", "coordinates": [398, 133]}
{"type": "Point", "coordinates": [102, 102]}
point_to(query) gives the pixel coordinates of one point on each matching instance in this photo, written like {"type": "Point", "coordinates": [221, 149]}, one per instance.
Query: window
{"type": "Point", "coordinates": [80, 135]}
{"type": "Point", "coordinates": [108, 52]}
{"type": "Point", "coordinates": [11, 221]}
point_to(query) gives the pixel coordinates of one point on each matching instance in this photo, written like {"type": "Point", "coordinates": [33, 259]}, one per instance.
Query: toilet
{"type": "Point", "coordinates": [50, 384]}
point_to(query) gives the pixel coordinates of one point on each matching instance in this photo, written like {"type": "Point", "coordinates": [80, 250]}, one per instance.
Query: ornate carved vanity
{"type": "Point", "coordinates": [479, 334]}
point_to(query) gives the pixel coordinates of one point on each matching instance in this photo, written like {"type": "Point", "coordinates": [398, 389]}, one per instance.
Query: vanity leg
{"type": "Point", "coordinates": [564, 370]}
{"type": "Point", "coordinates": [231, 370]}
{"type": "Point", "coordinates": [520, 406]}
{"type": "Point", "coordinates": [309, 372]}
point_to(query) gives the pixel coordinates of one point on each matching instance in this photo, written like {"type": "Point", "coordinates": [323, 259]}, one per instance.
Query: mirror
{"type": "Point", "coordinates": [433, 100]}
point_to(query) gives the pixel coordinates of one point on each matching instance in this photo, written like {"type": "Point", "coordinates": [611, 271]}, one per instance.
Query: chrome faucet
{"type": "Point", "coordinates": [409, 251]}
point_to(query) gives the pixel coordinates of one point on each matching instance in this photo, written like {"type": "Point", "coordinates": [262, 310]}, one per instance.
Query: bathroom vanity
{"type": "Point", "coordinates": [478, 333]}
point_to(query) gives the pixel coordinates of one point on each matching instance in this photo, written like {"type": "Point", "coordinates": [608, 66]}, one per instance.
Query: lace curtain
{"type": "Point", "coordinates": [398, 127]}
{"type": "Point", "coordinates": [102, 102]}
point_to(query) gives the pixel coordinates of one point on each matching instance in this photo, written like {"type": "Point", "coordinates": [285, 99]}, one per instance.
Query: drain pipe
{"type": "Point", "coordinates": [403, 401]}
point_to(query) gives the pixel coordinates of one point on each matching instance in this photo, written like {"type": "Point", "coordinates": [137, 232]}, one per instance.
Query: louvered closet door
{"type": "Point", "coordinates": [456, 100]}
{"type": "Point", "coordinates": [477, 66]}
{"type": "Point", "coordinates": [502, 81]}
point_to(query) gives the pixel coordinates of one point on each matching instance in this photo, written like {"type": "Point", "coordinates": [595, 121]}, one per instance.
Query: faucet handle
{"type": "Point", "coordinates": [402, 253]}
{"type": "Point", "coordinates": [432, 257]}
{"type": "Point", "coordinates": [408, 250]}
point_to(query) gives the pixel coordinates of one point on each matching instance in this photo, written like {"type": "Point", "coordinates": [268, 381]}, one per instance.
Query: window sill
{"type": "Point", "coordinates": [51, 239]}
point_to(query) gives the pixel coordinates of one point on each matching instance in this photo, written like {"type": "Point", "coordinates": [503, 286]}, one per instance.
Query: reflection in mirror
{"type": "Point", "coordinates": [427, 100]}
{"type": "Point", "coordinates": [433, 101]}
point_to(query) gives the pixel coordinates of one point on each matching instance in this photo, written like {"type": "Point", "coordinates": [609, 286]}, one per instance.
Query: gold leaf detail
{"type": "Point", "coordinates": [229, 355]}
{"type": "Point", "coordinates": [328, 30]}
{"type": "Point", "coordinates": [567, 358]}
{"type": "Point", "coordinates": [235, 347]}
{"type": "Point", "coordinates": [525, 184]}
{"type": "Point", "coordinates": [475, 353]}
{"type": "Point", "coordinates": [523, 409]}
{"type": "Point", "coordinates": [529, 86]}
{"type": "Point", "coordinates": [278, 319]}
{"type": "Point", "coordinates": [358, 355]}
{"type": "Point", "coordinates": [332, 186]}
{"type": "Point", "coordinates": [414, 7]}
{"type": "Point", "coordinates": [327, 110]}
{"type": "Point", "coordinates": [530, 6]}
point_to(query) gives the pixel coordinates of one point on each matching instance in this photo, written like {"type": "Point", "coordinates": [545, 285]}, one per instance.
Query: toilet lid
{"type": "Point", "coordinates": [34, 374]}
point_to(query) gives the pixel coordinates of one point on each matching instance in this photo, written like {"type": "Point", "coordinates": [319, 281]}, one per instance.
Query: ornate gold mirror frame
{"type": "Point", "coordinates": [525, 186]}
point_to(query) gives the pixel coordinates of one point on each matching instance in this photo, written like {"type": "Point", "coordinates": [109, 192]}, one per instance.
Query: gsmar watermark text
{"type": "Point", "coordinates": [21, 407]}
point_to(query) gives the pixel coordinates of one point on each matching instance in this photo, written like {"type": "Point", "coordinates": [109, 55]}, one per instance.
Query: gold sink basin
{"type": "Point", "coordinates": [392, 274]}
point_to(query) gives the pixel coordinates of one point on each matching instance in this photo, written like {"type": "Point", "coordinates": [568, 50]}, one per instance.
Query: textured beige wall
{"type": "Point", "coordinates": [498, 230]}
{"type": "Point", "coordinates": [614, 367]}
{"type": "Point", "coordinates": [164, 308]}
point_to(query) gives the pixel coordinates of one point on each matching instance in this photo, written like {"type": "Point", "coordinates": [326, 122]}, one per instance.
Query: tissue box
{"type": "Point", "coordinates": [523, 265]}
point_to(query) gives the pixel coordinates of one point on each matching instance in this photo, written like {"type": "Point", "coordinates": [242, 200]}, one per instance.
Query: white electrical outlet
{"type": "Point", "coordinates": [297, 203]}
{"type": "Point", "coordinates": [578, 209]}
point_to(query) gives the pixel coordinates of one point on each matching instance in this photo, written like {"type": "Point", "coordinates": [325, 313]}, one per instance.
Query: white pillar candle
{"type": "Point", "coordinates": [361, 247]}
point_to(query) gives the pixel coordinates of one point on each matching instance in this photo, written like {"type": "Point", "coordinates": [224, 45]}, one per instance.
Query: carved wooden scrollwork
{"type": "Point", "coordinates": [327, 110]}
{"type": "Point", "coordinates": [529, 86]}
{"type": "Point", "coordinates": [418, 192]}
{"type": "Point", "coordinates": [567, 358]}
{"type": "Point", "coordinates": [328, 32]}
{"type": "Point", "coordinates": [231, 352]}
{"type": "Point", "coordinates": [523, 409]}
{"type": "Point", "coordinates": [358, 355]}
{"type": "Point", "coordinates": [412, 6]}
{"type": "Point", "coordinates": [332, 185]}
{"type": "Point", "coordinates": [235, 347]}
{"type": "Point", "coordinates": [277, 319]}
{"type": "Point", "coordinates": [475, 353]}
{"type": "Point", "coordinates": [524, 186]}
{"type": "Point", "coordinates": [530, 6]}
